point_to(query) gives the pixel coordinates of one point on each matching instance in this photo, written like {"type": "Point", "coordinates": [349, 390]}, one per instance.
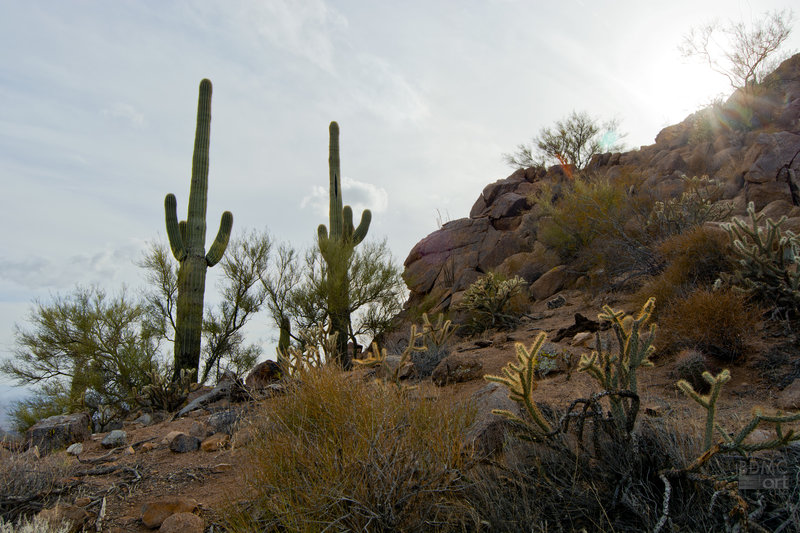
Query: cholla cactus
{"type": "Point", "coordinates": [521, 381]}
{"type": "Point", "coordinates": [736, 441]}
{"type": "Point", "coordinates": [315, 350]}
{"type": "Point", "coordinates": [377, 357]}
{"type": "Point", "coordinates": [768, 261]}
{"type": "Point", "coordinates": [698, 204]}
{"type": "Point", "coordinates": [617, 371]}
{"type": "Point", "coordinates": [165, 394]}
{"type": "Point", "coordinates": [488, 302]}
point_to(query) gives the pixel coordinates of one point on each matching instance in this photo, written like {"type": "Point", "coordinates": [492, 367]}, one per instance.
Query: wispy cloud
{"type": "Point", "coordinates": [36, 272]}
{"type": "Point", "coordinates": [124, 112]}
{"type": "Point", "coordinates": [357, 194]}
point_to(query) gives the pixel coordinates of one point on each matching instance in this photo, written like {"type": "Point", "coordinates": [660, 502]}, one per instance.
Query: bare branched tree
{"type": "Point", "coordinates": [572, 141]}
{"type": "Point", "coordinates": [743, 54]}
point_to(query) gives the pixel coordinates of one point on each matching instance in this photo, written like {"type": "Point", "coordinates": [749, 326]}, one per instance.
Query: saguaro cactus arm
{"type": "Point", "coordinates": [220, 243]}
{"type": "Point", "coordinates": [175, 233]}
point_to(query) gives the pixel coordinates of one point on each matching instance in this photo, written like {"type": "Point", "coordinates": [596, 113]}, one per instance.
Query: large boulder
{"type": "Point", "coordinates": [58, 432]}
{"type": "Point", "coordinates": [488, 433]}
{"type": "Point", "coordinates": [262, 375]}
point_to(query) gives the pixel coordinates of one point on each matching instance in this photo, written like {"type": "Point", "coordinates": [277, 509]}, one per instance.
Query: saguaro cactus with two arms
{"type": "Point", "coordinates": [187, 240]}
{"type": "Point", "coordinates": [337, 246]}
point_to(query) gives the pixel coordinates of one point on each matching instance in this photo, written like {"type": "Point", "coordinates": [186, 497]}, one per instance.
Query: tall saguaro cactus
{"type": "Point", "coordinates": [187, 240]}
{"type": "Point", "coordinates": [337, 246]}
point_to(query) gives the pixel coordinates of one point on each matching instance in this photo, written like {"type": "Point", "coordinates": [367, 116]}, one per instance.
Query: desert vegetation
{"type": "Point", "coordinates": [345, 439]}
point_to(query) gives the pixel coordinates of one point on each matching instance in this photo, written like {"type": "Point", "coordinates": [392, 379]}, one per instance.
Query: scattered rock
{"type": "Point", "coordinates": [215, 442]}
{"type": "Point", "coordinates": [183, 523]}
{"type": "Point", "coordinates": [170, 436]}
{"type": "Point", "coordinates": [488, 432]}
{"type": "Point", "coordinates": [581, 324]}
{"type": "Point", "coordinates": [550, 283]}
{"type": "Point", "coordinates": [456, 368]}
{"type": "Point", "coordinates": [224, 421]}
{"type": "Point", "coordinates": [584, 338]}
{"type": "Point", "coordinates": [58, 431]}
{"type": "Point", "coordinates": [114, 439]}
{"type": "Point", "coordinates": [62, 514]}
{"type": "Point", "coordinates": [262, 375]}
{"type": "Point", "coordinates": [556, 302]}
{"type": "Point", "coordinates": [75, 449]}
{"type": "Point", "coordinates": [154, 513]}
{"type": "Point", "coordinates": [146, 419]}
{"type": "Point", "coordinates": [789, 398]}
{"type": "Point", "coordinates": [183, 443]}
{"type": "Point", "coordinates": [198, 430]}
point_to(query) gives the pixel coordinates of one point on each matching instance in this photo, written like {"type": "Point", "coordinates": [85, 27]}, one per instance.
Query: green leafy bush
{"type": "Point", "coordinates": [598, 225]}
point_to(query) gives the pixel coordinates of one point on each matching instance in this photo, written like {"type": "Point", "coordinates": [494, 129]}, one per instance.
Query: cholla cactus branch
{"type": "Point", "coordinates": [737, 441]}
{"type": "Point", "coordinates": [520, 379]}
{"type": "Point", "coordinates": [708, 402]}
{"type": "Point", "coordinates": [487, 301]}
{"type": "Point", "coordinates": [617, 371]}
{"type": "Point", "coordinates": [437, 335]}
{"type": "Point", "coordinates": [768, 260]}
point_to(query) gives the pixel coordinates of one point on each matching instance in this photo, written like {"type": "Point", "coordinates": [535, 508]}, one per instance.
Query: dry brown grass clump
{"type": "Point", "coordinates": [342, 454]}
{"type": "Point", "coordinates": [694, 259]}
{"type": "Point", "coordinates": [28, 484]}
{"type": "Point", "coordinates": [719, 323]}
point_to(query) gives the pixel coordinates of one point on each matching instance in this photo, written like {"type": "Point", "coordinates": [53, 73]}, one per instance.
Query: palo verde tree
{"type": "Point", "coordinates": [743, 54]}
{"type": "Point", "coordinates": [337, 246]}
{"type": "Point", "coordinates": [241, 297]}
{"type": "Point", "coordinates": [83, 349]}
{"type": "Point", "coordinates": [187, 240]}
{"type": "Point", "coordinates": [572, 141]}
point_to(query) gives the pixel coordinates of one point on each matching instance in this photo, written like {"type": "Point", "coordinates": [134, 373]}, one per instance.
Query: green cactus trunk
{"type": "Point", "coordinates": [187, 240]}
{"type": "Point", "coordinates": [337, 250]}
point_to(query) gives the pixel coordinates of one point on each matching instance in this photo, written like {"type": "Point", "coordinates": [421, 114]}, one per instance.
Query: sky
{"type": "Point", "coordinates": [99, 105]}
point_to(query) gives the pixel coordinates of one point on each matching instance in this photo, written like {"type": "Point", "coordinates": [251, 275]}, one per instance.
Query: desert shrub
{"type": "Point", "coordinates": [163, 394]}
{"type": "Point", "coordinates": [28, 483]}
{"type": "Point", "coordinates": [436, 337]}
{"type": "Point", "coordinates": [583, 469]}
{"type": "Point", "coordinates": [35, 525]}
{"type": "Point", "coordinates": [767, 261]}
{"type": "Point", "coordinates": [689, 366]}
{"type": "Point", "coordinates": [719, 323]}
{"type": "Point", "coordinates": [47, 400]}
{"type": "Point", "coordinates": [598, 225]}
{"type": "Point", "coordinates": [341, 454]}
{"type": "Point", "coordinates": [490, 303]}
{"type": "Point", "coordinates": [694, 259]}
{"type": "Point", "coordinates": [700, 202]}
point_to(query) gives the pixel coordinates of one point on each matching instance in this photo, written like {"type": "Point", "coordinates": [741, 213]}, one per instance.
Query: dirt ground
{"type": "Point", "coordinates": [218, 479]}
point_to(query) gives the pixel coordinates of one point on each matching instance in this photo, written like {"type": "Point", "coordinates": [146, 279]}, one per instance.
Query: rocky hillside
{"type": "Point", "coordinates": [751, 144]}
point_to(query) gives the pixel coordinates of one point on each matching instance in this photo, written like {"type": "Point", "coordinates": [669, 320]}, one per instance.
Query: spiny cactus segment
{"type": "Point", "coordinates": [337, 245]}
{"type": "Point", "coordinates": [187, 241]}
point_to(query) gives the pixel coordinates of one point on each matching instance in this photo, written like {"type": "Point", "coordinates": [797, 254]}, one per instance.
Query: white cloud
{"type": "Point", "coordinates": [357, 194]}
{"type": "Point", "coordinates": [124, 112]}
{"type": "Point", "coordinates": [35, 272]}
{"type": "Point", "coordinates": [304, 28]}
{"type": "Point", "coordinates": [384, 91]}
